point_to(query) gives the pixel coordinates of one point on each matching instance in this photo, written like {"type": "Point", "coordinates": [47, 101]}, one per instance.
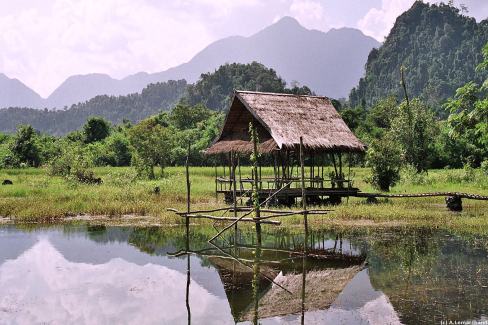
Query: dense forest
{"type": "Point", "coordinates": [439, 48]}
{"type": "Point", "coordinates": [214, 90]}
{"type": "Point", "coordinates": [116, 109]}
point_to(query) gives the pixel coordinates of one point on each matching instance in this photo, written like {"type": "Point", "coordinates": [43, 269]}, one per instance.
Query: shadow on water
{"type": "Point", "coordinates": [411, 276]}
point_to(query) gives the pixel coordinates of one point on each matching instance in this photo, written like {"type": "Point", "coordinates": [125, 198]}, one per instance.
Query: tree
{"type": "Point", "coordinates": [115, 109]}
{"type": "Point", "coordinates": [413, 128]}
{"type": "Point", "coordinates": [152, 145]}
{"type": "Point", "coordinates": [214, 90]}
{"type": "Point", "coordinates": [384, 158]}
{"type": "Point", "coordinates": [24, 146]}
{"type": "Point", "coordinates": [184, 116]}
{"type": "Point", "coordinates": [468, 118]}
{"type": "Point", "coordinates": [95, 129]}
{"type": "Point", "coordinates": [440, 48]}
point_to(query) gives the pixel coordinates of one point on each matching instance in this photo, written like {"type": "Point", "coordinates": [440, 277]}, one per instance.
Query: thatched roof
{"type": "Point", "coordinates": [280, 120]}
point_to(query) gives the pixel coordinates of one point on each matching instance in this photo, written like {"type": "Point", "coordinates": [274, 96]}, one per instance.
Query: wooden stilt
{"type": "Point", "coordinates": [234, 193]}
{"type": "Point", "coordinates": [230, 170]}
{"type": "Point", "coordinates": [304, 196]}
{"type": "Point", "coordinates": [241, 186]}
{"type": "Point", "coordinates": [311, 170]}
{"type": "Point", "coordinates": [188, 202]}
{"type": "Point", "coordinates": [187, 168]}
{"type": "Point", "coordinates": [335, 168]}
{"type": "Point", "coordinates": [255, 195]}
{"type": "Point", "coordinates": [223, 166]}
{"type": "Point", "coordinates": [216, 183]}
{"type": "Point", "coordinates": [340, 165]}
{"type": "Point", "coordinates": [305, 244]}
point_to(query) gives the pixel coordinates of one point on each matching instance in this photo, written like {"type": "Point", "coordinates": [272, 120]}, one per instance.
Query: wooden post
{"type": "Point", "coordinates": [241, 186]}
{"type": "Point", "coordinates": [223, 166]}
{"type": "Point", "coordinates": [312, 171]}
{"type": "Point", "coordinates": [349, 172]}
{"type": "Point", "coordinates": [188, 180]}
{"type": "Point", "coordinates": [274, 172]}
{"type": "Point", "coordinates": [340, 164]}
{"type": "Point", "coordinates": [216, 182]}
{"type": "Point", "coordinates": [287, 163]}
{"type": "Point", "coordinates": [234, 193]}
{"type": "Point", "coordinates": [304, 195]}
{"type": "Point", "coordinates": [305, 244]}
{"type": "Point", "coordinates": [255, 194]}
{"type": "Point", "coordinates": [335, 165]}
{"type": "Point", "coordinates": [256, 276]}
{"type": "Point", "coordinates": [260, 178]}
{"type": "Point", "coordinates": [188, 202]}
{"type": "Point", "coordinates": [322, 171]}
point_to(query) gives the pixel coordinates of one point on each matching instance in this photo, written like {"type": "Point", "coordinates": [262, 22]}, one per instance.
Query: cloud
{"type": "Point", "coordinates": [44, 42]}
{"type": "Point", "coordinates": [41, 286]}
{"type": "Point", "coordinates": [309, 13]}
{"type": "Point", "coordinates": [117, 37]}
{"type": "Point", "coordinates": [378, 21]}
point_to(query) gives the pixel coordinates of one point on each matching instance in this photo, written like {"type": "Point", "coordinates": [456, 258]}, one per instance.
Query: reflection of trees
{"type": "Point", "coordinates": [428, 276]}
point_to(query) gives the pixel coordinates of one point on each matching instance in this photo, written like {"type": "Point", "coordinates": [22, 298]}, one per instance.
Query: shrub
{"type": "Point", "coordinates": [74, 164]}
{"type": "Point", "coordinates": [384, 158]}
{"type": "Point", "coordinates": [410, 175]}
{"type": "Point", "coordinates": [484, 167]}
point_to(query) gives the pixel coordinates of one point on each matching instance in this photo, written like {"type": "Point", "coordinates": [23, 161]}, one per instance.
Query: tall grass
{"type": "Point", "coordinates": [36, 196]}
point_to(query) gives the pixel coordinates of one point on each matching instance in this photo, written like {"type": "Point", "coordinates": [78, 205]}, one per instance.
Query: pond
{"type": "Point", "coordinates": [125, 275]}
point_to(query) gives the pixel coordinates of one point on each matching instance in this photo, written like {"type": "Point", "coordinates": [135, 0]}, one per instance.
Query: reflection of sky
{"type": "Point", "coordinates": [41, 285]}
{"type": "Point", "coordinates": [358, 303]}
{"type": "Point", "coordinates": [56, 277]}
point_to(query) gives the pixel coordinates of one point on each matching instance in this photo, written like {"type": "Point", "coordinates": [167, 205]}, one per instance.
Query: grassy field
{"type": "Point", "coordinates": [36, 196]}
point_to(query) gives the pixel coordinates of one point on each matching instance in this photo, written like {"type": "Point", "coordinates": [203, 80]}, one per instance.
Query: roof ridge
{"type": "Point", "coordinates": [277, 94]}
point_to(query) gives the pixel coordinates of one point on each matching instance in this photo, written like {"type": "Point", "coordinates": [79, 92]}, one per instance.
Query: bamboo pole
{"type": "Point", "coordinates": [340, 165]}
{"type": "Point", "coordinates": [245, 215]}
{"type": "Point", "coordinates": [304, 195]}
{"type": "Point", "coordinates": [207, 216]}
{"type": "Point", "coordinates": [216, 182]}
{"type": "Point", "coordinates": [304, 259]}
{"type": "Point", "coordinates": [282, 211]}
{"type": "Point", "coordinates": [198, 211]}
{"type": "Point", "coordinates": [255, 194]}
{"type": "Point", "coordinates": [188, 202]}
{"type": "Point", "coordinates": [234, 194]}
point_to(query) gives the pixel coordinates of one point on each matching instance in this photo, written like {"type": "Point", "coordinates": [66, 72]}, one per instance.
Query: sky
{"type": "Point", "coordinates": [44, 42]}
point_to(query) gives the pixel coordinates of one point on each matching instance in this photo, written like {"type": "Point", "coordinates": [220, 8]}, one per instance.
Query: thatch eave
{"type": "Point", "coordinates": [285, 118]}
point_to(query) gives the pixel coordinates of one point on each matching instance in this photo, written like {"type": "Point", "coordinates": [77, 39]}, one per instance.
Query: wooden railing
{"type": "Point", "coordinates": [223, 184]}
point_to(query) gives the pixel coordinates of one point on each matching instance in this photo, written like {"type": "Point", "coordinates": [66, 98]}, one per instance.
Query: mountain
{"type": "Point", "coordinates": [329, 63]}
{"type": "Point", "coordinates": [134, 107]}
{"type": "Point", "coordinates": [439, 48]}
{"type": "Point", "coordinates": [15, 93]}
{"type": "Point", "coordinates": [213, 90]}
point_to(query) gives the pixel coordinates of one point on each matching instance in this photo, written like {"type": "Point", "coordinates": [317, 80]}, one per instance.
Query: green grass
{"type": "Point", "coordinates": [38, 197]}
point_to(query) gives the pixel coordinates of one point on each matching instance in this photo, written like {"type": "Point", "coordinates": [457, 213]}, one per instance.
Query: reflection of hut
{"type": "Point", "coordinates": [321, 290]}
{"type": "Point", "coordinates": [326, 279]}
{"type": "Point", "coordinates": [280, 120]}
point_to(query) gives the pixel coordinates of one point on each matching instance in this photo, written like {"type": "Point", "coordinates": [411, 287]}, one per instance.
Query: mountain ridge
{"type": "Point", "coordinates": [295, 52]}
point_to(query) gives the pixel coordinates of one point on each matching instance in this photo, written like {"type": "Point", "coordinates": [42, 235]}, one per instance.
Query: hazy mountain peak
{"type": "Point", "coordinates": [287, 21]}
{"type": "Point", "coordinates": [14, 93]}
{"type": "Point", "coordinates": [330, 63]}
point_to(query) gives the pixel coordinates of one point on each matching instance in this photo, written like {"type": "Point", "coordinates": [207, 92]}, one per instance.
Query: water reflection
{"type": "Point", "coordinates": [125, 275]}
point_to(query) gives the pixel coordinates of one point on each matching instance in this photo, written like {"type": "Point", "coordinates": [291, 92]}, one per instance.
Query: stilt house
{"type": "Point", "coordinates": [280, 120]}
